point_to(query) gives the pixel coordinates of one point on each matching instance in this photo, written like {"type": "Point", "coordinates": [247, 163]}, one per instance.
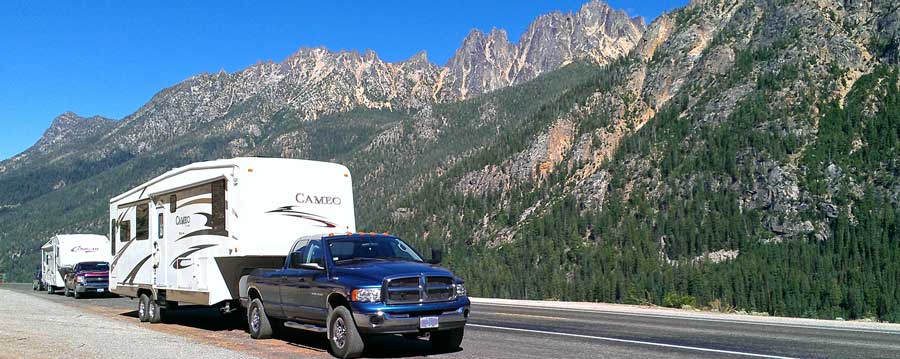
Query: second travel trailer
{"type": "Point", "coordinates": [189, 235]}
{"type": "Point", "coordinates": [62, 252]}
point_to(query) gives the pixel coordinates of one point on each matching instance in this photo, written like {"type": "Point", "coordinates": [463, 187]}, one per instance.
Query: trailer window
{"type": "Point", "coordinates": [142, 222]}
{"type": "Point", "coordinates": [173, 203]}
{"type": "Point", "coordinates": [218, 206]}
{"type": "Point", "coordinates": [159, 226]}
{"type": "Point", "coordinates": [124, 231]}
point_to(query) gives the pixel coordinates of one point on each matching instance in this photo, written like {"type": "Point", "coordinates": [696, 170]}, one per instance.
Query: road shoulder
{"type": "Point", "coordinates": [32, 327]}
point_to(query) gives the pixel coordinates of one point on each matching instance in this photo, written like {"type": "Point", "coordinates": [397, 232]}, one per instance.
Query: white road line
{"type": "Point", "coordinates": [732, 321]}
{"type": "Point", "coordinates": [717, 351]}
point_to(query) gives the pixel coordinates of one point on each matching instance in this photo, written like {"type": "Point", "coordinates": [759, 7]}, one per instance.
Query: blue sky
{"type": "Point", "coordinates": [109, 57]}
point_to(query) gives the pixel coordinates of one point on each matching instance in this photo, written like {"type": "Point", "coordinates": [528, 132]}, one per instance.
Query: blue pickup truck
{"type": "Point", "coordinates": [357, 285]}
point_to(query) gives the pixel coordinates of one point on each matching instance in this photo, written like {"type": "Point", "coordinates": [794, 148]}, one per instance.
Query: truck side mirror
{"type": "Point", "coordinates": [436, 256]}
{"type": "Point", "coordinates": [295, 260]}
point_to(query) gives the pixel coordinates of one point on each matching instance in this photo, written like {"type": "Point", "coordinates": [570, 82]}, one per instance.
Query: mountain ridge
{"type": "Point", "coordinates": [316, 81]}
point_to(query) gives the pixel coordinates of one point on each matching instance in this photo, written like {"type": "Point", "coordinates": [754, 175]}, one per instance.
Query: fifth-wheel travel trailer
{"type": "Point", "coordinates": [62, 252]}
{"type": "Point", "coordinates": [189, 235]}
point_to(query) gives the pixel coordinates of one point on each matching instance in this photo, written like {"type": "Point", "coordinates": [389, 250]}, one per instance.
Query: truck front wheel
{"type": "Point", "coordinates": [342, 334]}
{"type": "Point", "coordinates": [258, 321]}
{"type": "Point", "coordinates": [447, 340]}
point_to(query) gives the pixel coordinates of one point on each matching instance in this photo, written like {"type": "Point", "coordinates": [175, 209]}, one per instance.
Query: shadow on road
{"type": "Point", "coordinates": [384, 346]}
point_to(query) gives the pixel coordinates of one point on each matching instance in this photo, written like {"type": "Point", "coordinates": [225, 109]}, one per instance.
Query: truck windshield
{"type": "Point", "coordinates": [93, 266]}
{"type": "Point", "coordinates": [355, 249]}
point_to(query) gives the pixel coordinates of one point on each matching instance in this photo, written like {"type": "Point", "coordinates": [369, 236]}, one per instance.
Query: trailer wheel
{"type": "Point", "coordinates": [343, 336]}
{"type": "Point", "coordinates": [144, 308]}
{"type": "Point", "coordinates": [154, 314]}
{"type": "Point", "coordinates": [50, 289]}
{"type": "Point", "coordinates": [258, 321]}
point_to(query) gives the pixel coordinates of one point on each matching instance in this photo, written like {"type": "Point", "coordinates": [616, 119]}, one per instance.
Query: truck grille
{"type": "Point", "coordinates": [418, 289]}
{"type": "Point", "coordinates": [96, 280]}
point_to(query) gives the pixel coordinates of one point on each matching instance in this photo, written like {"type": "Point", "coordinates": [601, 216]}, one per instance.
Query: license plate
{"type": "Point", "coordinates": [428, 322]}
{"type": "Point", "coordinates": [101, 290]}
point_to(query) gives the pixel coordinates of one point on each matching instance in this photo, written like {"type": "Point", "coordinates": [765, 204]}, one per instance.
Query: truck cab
{"type": "Point", "coordinates": [356, 285]}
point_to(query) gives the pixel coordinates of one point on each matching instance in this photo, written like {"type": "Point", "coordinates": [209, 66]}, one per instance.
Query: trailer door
{"type": "Point", "coordinates": [160, 269]}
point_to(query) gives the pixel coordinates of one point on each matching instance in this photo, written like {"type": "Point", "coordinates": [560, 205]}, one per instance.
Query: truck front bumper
{"type": "Point", "coordinates": [380, 319]}
{"type": "Point", "coordinates": [92, 288]}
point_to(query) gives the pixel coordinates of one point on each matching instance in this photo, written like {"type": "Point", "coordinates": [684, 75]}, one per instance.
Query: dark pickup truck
{"type": "Point", "coordinates": [88, 278]}
{"type": "Point", "coordinates": [357, 285]}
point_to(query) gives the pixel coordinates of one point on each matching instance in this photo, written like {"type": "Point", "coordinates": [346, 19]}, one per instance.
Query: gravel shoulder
{"type": "Point", "coordinates": [29, 330]}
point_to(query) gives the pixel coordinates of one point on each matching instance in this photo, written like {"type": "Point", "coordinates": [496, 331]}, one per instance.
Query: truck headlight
{"type": "Point", "coordinates": [460, 290]}
{"type": "Point", "coordinates": [80, 279]}
{"type": "Point", "coordinates": [366, 295]}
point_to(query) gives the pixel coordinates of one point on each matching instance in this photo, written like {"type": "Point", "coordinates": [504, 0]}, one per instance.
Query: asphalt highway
{"type": "Point", "coordinates": [522, 331]}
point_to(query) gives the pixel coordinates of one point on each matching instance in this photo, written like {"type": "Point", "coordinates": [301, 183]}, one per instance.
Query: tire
{"type": "Point", "coordinates": [343, 337]}
{"type": "Point", "coordinates": [258, 321]}
{"type": "Point", "coordinates": [447, 340]}
{"type": "Point", "coordinates": [51, 290]}
{"type": "Point", "coordinates": [144, 308]}
{"type": "Point", "coordinates": [155, 312]}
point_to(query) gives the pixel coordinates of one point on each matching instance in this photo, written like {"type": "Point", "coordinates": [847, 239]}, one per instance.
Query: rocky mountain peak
{"type": "Point", "coordinates": [420, 58]}
{"type": "Point", "coordinates": [596, 33]}
{"type": "Point", "coordinates": [69, 127]}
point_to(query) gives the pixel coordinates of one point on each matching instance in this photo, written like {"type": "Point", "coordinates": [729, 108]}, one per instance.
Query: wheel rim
{"type": "Point", "coordinates": [141, 309]}
{"type": "Point", "coordinates": [339, 333]}
{"type": "Point", "coordinates": [150, 311]}
{"type": "Point", "coordinates": [254, 320]}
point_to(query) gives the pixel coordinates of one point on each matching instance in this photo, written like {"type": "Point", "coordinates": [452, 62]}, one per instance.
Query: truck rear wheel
{"type": "Point", "coordinates": [144, 308]}
{"type": "Point", "coordinates": [447, 340]}
{"type": "Point", "coordinates": [258, 321]}
{"type": "Point", "coordinates": [343, 336]}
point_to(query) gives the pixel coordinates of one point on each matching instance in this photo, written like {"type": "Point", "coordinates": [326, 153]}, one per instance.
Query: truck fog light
{"type": "Point", "coordinates": [376, 319]}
